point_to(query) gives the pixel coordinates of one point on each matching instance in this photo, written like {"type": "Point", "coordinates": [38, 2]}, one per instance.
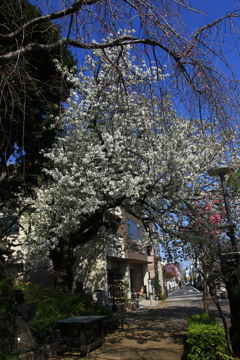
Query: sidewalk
{"type": "Point", "coordinates": [153, 331]}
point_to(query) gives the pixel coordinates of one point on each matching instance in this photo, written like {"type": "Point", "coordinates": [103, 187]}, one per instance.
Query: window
{"type": "Point", "coordinates": [132, 229]}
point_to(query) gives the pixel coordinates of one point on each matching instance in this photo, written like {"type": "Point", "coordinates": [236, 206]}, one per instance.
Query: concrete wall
{"type": "Point", "coordinates": [90, 268]}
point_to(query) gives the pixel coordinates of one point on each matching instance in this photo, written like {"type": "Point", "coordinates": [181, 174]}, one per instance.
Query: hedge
{"type": "Point", "coordinates": [205, 339]}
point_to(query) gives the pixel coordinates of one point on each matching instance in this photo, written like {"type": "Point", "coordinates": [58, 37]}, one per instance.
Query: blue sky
{"type": "Point", "coordinates": [216, 9]}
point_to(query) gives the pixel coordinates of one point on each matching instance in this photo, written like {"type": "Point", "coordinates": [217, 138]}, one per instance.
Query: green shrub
{"type": "Point", "coordinates": [202, 319]}
{"type": "Point", "coordinates": [7, 317]}
{"type": "Point", "coordinates": [53, 305]}
{"type": "Point", "coordinates": [205, 339]}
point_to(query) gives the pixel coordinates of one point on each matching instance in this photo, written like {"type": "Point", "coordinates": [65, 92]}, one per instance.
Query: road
{"type": "Point", "coordinates": [186, 291]}
{"type": "Point", "coordinates": [190, 296]}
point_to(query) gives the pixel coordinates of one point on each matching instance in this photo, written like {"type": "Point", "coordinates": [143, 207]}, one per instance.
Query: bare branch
{"type": "Point", "coordinates": [202, 79]}
{"type": "Point", "coordinates": [121, 41]}
{"type": "Point", "coordinates": [77, 5]}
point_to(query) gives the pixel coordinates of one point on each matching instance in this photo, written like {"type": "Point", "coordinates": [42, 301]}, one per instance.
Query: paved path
{"type": "Point", "coordinates": [154, 331]}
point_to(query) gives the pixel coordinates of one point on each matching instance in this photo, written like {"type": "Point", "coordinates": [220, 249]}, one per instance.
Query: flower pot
{"type": "Point", "coordinates": [162, 297]}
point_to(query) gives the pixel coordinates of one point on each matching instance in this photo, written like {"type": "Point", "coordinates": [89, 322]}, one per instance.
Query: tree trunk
{"type": "Point", "coordinates": [63, 255]}
{"type": "Point", "coordinates": [229, 271]}
{"type": "Point", "coordinates": [215, 299]}
{"type": "Point", "coordinates": [205, 289]}
{"type": "Point", "coordinates": [205, 296]}
{"type": "Point", "coordinates": [63, 260]}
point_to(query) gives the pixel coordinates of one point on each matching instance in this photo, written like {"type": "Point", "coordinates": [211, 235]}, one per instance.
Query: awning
{"type": "Point", "coordinates": [132, 261]}
{"type": "Point", "coordinates": [114, 272]}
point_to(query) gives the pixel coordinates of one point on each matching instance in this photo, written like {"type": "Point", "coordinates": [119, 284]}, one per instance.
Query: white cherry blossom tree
{"type": "Point", "coordinates": [120, 144]}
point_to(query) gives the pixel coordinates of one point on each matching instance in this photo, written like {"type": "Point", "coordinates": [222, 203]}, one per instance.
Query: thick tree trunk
{"type": "Point", "coordinates": [63, 255]}
{"type": "Point", "coordinates": [63, 260]}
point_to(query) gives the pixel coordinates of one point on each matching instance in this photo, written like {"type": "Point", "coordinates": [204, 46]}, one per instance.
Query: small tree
{"type": "Point", "coordinates": [171, 271]}
{"type": "Point", "coordinates": [205, 239]}
{"type": "Point", "coordinates": [206, 244]}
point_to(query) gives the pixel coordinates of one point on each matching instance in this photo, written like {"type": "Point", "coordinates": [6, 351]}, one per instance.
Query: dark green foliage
{"type": "Point", "coordinates": [7, 317]}
{"type": "Point", "coordinates": [205, 339]}
{"type": "Point", "coordinates": [30, 88]}
{"type": "Point", "coordinates": [53, 305]}
{"type": "Point", "coordinates": [156, 285]}
{"type": "Point", "coordinates": [155, 282]}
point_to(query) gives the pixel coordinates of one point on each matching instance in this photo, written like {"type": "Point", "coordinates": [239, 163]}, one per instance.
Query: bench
{"type": "Point", "coordinates": [81, 334]}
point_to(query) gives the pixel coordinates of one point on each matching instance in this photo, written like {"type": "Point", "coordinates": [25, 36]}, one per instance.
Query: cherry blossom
{"type": "Point", "coordinates": [120, 144]}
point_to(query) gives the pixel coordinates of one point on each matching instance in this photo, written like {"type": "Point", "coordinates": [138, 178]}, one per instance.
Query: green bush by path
{"type": "Point", "coordinates": [201, 319]}
{"type": "Point", "coordinates": [53, 305]}
{"type": "Point", "coordinates": [205, 339]}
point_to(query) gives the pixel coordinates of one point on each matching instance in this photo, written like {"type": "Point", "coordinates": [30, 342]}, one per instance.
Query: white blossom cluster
{"type": "Point", "coordinates": [121, 145]}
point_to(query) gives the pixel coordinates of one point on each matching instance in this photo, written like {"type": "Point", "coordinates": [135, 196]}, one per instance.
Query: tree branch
{"type": "Point", "coordinates": [123, 40]}
{"type": "Point", "coordinates": [77, 5]}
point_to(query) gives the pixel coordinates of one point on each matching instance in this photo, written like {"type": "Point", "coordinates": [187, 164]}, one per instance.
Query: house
{"type": "Point", "coordinates": [121, 269]}
{"type": "Point", "coordinates": [114, 266]}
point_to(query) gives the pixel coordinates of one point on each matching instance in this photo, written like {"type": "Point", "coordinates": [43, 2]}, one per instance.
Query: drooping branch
{"type": "Point", "coordinates": [201, 86]}
{"type": "Point", "coordinates": [75, 7]}
{"type": "Point", "coordinates": [121, 41]}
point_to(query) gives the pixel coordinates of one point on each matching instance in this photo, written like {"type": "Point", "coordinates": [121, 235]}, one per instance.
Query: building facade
{"type": "Point", "coordinates": [123, 270]}
{"type": "Point", "coordinates": [114, 270]}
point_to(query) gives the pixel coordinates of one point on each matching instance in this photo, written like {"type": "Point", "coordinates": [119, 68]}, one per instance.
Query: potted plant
{"type": "Point", "coordinates": [148, 296]}
{"type": "Point", "coordinates": [156, 285]}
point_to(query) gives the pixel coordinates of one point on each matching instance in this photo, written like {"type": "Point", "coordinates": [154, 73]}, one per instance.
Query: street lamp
{"type": "Point", "coordinates": [221, 171]}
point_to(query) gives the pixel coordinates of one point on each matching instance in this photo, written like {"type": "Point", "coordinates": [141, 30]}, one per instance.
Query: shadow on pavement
{"type": "Point", "coordinates": [152, 333]}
